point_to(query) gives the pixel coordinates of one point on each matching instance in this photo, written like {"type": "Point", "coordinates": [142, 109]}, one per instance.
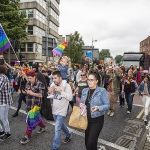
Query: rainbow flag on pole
{"type": "Point", "coordinates": [59, 49]}
{"type": "Point", "coordinates": [4, 42]}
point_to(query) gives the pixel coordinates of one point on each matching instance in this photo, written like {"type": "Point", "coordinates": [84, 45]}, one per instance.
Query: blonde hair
{"type": "Point", "coordinates": [71, 85]}
{"type": "Point", "coordinates": [68, 60]}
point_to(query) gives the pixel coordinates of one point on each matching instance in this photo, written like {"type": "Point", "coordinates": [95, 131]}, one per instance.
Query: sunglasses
{"type": "Point", "coordinates": [82, 74]}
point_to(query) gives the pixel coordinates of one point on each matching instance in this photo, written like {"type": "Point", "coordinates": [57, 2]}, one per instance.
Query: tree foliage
{"type": "Point", "coordinates": [74, 47]}
{"type": "Point", "coordinates": [104, 53]}
{"type": "Point", "coordinates": [118, 58]}
{"type": "Point", "coordinates": [13, 20]}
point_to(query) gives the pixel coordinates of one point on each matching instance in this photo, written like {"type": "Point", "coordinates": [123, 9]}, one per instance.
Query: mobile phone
{"type": "Point", "coordinates": [93, 108]}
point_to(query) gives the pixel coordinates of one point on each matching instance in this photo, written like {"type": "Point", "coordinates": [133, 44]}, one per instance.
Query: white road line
{"type": "Point", "coordinates": [138, 105]}
{"type": "Point", "coordinates": [80, 133]}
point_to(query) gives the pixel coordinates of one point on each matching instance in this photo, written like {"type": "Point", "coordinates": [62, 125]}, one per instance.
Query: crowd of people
{"type": "Point", "coordinates": [98, 87]}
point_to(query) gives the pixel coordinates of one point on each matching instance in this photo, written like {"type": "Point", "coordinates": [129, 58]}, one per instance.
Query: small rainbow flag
{"type": "Point", "coordinates": [1, 56]}
{"type": "Point", "coordinates": [4, 42]}
{"type": "Point", "coordinates": [33, 117]}
{"type": "Point", "coordinates": [59, 49]}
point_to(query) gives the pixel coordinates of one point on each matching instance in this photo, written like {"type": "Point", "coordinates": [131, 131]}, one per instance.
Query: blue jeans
{"type": "Point", "coordinates": [60, 125]}
{"type": "Point", "coordinates": [4, 118]}
{"type": "Point", "coordinates": [129, 99]}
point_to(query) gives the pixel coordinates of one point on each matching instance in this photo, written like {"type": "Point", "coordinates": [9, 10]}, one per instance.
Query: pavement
{"type": "Point", "coordinates": [120, 132]}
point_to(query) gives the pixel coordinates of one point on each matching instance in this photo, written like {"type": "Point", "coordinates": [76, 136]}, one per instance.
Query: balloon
{"type": "Point", "coordinates": [89, 54]}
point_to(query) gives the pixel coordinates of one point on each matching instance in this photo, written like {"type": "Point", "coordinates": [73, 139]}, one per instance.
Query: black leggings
{"type": "Point", "coordinates": [21, 98]}
{"type": "Point", "coordinates": [92, 133]}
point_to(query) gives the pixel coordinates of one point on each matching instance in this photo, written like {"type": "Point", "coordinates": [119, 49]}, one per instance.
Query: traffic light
{"type": "Point", "coordinates": [20, 57]}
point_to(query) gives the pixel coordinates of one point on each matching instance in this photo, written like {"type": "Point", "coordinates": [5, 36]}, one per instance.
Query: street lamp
{"type": "Point", "coordinates": [92, 47]}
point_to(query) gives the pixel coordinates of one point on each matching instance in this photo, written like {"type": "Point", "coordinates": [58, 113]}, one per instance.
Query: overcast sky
{"type": "Point", "coordinates": [118, 25]}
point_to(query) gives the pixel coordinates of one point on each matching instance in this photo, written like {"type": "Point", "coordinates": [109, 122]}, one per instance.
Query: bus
{"type": "Point", "coordinates": [136, 58]}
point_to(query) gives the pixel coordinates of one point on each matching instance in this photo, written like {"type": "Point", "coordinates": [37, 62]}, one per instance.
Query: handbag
{"type": "Point", "coordinates": [77, 120]}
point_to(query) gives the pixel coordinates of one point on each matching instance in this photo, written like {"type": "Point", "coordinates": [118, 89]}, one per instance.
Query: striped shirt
{"type": "Point", "coordinates": [5, 92]}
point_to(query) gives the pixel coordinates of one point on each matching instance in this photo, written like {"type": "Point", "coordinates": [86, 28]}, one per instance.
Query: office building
{"type": "Point", "coordinates": [42, 28]}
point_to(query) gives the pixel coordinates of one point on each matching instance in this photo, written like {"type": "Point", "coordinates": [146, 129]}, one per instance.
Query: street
{"type": "Point", "coordinates": [123, 131]}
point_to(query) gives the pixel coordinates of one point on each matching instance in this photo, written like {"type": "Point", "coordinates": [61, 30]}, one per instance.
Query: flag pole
{"type": "Point", "coordinates": [9, 42]}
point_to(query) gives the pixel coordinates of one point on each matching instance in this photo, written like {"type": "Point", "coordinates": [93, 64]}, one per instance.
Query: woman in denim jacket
{"type": "Point", "coordinates": [144, 90]}
{"type": "Point", "coordinates": [96, 100]}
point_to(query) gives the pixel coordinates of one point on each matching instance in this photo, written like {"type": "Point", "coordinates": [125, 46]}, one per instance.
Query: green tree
{"type": "Point", "coordinates": [118, 58]}
{"type": "Point", "coordinates": [74, 48]}
{"type": "Point", "coordinates": [13, 20]}
{"type": "Point", "coordinates": [104, 53]}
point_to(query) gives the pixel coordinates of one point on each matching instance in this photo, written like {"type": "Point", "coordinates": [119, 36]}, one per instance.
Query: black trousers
{"type": "Point", "coordinates": [92, 132]}
{"type": "Point", "coordinates": [21, 98]}
{"type": "Point", "coordinates": [121, 100]}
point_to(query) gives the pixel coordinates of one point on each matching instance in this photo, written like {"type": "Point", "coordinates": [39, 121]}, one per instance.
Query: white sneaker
{"type": "Point", "coordinates": [50, 96]}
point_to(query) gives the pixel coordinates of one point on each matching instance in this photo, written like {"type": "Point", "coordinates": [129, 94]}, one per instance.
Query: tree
{"type": "Point", "coordinates": [104, 53]}
{"type": "Point", "coordinates": [13, 20]}
{"type": "Point", "coordinates": [118, 58]}
{"type": "Point", "coordinates": [74, 48]}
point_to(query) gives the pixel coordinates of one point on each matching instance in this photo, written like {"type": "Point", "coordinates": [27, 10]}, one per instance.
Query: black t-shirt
{"type": "Point", "coordinates": [81, 86]}
{"type": "Point", "coordinates": [87, 103]}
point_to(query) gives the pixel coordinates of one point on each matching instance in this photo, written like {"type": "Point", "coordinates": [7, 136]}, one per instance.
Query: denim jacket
{"type": "Point", "coordinates": [99, 98]}
{"type": "Point", "coordinates": [141, 87]}
{"type": "Point", "coordinates": [64, 71]}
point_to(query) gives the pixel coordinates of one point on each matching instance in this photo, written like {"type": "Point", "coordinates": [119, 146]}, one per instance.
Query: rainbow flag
{"type": "Point", "coordinates": [4, 42]}
{"type": "Point", "coordinates": [59, 49]}
{"type": "Point", "coordinates": [33, 117]}
{"type": "Point", "coordinates": [1, 56]}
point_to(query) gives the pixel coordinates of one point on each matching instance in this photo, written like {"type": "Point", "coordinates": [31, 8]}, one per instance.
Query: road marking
{"type": "Point", "coordinates": [140, 114]}
{"type": "Point", "coordinates": [137, 105]}
{"type": "Point", "coordinates": [102, 148]}
{"type": "Point", "coordinates": [80, 133]}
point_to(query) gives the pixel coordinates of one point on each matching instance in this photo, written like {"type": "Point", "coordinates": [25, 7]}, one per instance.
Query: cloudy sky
{"type": "Point", "coordinates": [118, 25]}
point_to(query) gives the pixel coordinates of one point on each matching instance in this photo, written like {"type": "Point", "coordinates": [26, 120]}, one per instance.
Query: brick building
{"type": "Point", "coordinates": [145, 48]}
{"type": "Point", "coordinates": [145, 45]}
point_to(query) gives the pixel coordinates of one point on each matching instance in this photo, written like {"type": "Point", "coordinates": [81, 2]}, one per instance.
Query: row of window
{"type": "Point", "coordinates": [33, 13]}
{"type": "Point", "coordinates": [53, 13]}
{"type": "Point", "coordinates": [33, 30]}
{"type": "Point", "coordinates": [53, 27]}
{"type": "Point", "coordinates": [41, 2]}
{"type": "Point", "coordinates": [55, 3]}
{"type": "Point", "coordinates": [26, 47]}
{"type": "Point", "coordinates": [31, 47]}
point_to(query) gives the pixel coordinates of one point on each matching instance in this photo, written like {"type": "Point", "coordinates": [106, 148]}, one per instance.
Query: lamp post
{"type": "Point", "coordinates": [92, 47]}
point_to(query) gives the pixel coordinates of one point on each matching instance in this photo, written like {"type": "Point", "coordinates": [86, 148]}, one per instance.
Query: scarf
{"type": "Point", "coordinates": [129, 80]}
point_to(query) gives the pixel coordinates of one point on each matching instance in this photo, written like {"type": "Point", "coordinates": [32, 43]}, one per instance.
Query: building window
{"type": "Point", "coordinates": [30, 47]}
{"type": "Point", "coordinates": [30, 13]}
{"type": "Point", "coordinates": [30, 30]}
{"type": "Point", "coordinates": [23, 47]}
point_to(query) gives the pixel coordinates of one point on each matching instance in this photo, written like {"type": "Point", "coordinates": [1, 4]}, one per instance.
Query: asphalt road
{"type": "Point", "coordinates": [122, 131]}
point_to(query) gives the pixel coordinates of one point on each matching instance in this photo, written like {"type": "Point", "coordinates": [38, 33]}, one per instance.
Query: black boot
{"type": "Point", "coordinates": [15, 114]}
